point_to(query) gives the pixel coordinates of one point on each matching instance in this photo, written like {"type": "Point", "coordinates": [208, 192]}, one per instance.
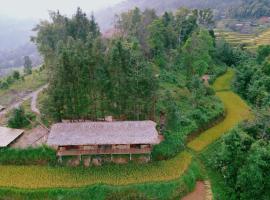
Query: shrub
{"type": "Point", "coordinates": [18, 119]}
{"type": "Point", "coordinates": [4, 85]}
{"type": "Point", "coordinates": [16, 75]}
{"type": "Point", "coordinates": [126, 195]}
{"type": "Point", "coordinates": [173, 143]}
{"type": "Point", "coordinates": [29, 156]}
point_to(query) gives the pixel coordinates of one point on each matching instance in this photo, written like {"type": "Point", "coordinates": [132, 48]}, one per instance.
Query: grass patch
{"type": "Point", "coordinates": [31, 82]}
{"type": "Point", "coordinates": [223, 83]}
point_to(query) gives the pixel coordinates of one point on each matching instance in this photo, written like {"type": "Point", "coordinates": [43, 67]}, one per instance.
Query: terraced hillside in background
{"type": "Point", "coordinates": [252, 41]}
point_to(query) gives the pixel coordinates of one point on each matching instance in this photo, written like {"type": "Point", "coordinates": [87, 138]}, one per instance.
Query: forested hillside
{"type": "Point", "coordinates": [105, 17]}
{"type": "Point", "coordinates": [151, 69]}
{"type": "Point", "coordinates": [252, 9]}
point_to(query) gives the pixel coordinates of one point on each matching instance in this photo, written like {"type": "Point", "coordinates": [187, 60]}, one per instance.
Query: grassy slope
{"type": "Point", "coordinates": [31, 82]}
{"type": "Point", "coordinates": [236, 110]}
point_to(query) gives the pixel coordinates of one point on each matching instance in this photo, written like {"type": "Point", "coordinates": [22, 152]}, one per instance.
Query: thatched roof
{"type": "Point", "coordinates": [103, 133]}
{"type": "Point", "coordinates": [8, 135]}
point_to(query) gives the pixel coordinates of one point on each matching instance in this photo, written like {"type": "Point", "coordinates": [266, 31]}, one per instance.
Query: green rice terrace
{"type": "Point", "coordinates": [252, 41]}
{"type": "Point", "coordinates": [38, 181]}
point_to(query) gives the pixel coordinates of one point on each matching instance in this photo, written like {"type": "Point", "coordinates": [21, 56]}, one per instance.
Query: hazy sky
{"type": "Point", "coordinates": [38, 9]}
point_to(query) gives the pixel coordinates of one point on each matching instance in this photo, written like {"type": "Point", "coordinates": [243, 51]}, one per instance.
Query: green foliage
{"type": "Point", "coordinates": [27, 65]}
{"type": "Point", "coordinates": [136, 74]}
{"type": "Point", "coordinates": [263, 53]}
{"type": "Point", "coordinates": [30, 156]}
{"type": "Point", "coordinates": [126, 195]}
{"type": "Point", "coordinates": [227, 54]}
{"type": "Point", "coordinates": [196, 53]}
{"type": "Point", "coordinates": [16, 75]}
{"type": "Point", "coordinates": [252, 79]}
{"type": "Point", "coordinates": [18, 119]}
{"type": "Point", "coordinates": [242, 158]}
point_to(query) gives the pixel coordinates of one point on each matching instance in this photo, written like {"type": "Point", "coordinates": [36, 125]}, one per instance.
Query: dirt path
{"type": "Point", "coordinates": [198, 194]}
{"type": "Point", "coordinates": [202, 191]}
{"type": "Point", "coordinates": [34, 99]}
{"type": "Point", "coordinates": [32, 95]}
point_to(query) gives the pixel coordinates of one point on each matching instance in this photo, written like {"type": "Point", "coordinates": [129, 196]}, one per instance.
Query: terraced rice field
{"type": "Point", "coordinates": [251, 41]}
{"type": "Point", "coordinates": [236, 111]}
{"type": "Point", "coordinates": [36, 177]}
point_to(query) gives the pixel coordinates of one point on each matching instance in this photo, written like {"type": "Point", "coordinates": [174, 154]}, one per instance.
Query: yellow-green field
{"type": "Point", "coordinates": [236, 111]}
{"type": "Point", "coordinates": [251, 41]}
{"type": "Point", "coordinates": [48, 177]}
{"type": "Point", "coordinates": [223, 83]}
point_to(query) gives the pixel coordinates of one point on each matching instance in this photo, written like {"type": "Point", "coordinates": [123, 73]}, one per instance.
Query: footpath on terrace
{"type": "Point", "coordinates": [36, 177]}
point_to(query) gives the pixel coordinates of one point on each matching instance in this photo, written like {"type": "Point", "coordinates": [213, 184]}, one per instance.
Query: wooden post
{"type": "Point", "coordinates": [111, 157]}
{"type": "Point", "coordinates": [130, 158]}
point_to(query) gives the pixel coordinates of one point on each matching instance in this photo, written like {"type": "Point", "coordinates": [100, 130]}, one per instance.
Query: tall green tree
{"type": "Point", "coordinates": [27, 65]}
{"type": "Point", "coordinates": [197, 53]}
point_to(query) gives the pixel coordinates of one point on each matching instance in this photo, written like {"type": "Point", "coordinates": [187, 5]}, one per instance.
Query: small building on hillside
{"type": "Point", "coordinates": [205, 79]}
{"type": "Point", "coordinates": [264, 20]}
{"type": "Point", "coordinates": [8, 135]}
{"type": "Point", "coordinates": [103, 138]}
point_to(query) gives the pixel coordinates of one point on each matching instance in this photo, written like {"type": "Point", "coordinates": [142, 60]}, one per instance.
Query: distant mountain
{"type": "Point", "coordinates": [252, 9]}
{"type": "Point", "coordinates": [106, 17]}
{"type": "Point", "coordinates": [14, 33]}
{"type": "Point", "coordinates": [15, 42]}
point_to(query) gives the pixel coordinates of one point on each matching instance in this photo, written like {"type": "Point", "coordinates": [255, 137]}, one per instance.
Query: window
{"type": "Point", "coordinates": [105, 147]}
{"type": "Point", "coordinates": [136, 146]}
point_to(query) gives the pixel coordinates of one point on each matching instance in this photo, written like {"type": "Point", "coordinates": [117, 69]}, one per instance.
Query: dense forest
{"type": "Point", "coordinates": [150, 69]}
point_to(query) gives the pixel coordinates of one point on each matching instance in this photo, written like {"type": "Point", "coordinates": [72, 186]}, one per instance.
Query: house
{"type": "Point", "coordinates": [103, 138]}
{"type": "Point", "coordinates": [264, 20]}
{"type": "Point", "coordinates": [8, 135]}
{"type": "Point", "coordinates": [205, 79]}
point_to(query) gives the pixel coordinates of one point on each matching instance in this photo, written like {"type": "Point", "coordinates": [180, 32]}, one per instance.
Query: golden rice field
{"type": "Point", "coordinates": [236, 111]}
{"type": "Point", "coordinates": [34, 177]}
{"type": "Point", "coordinates": [252, 41]}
